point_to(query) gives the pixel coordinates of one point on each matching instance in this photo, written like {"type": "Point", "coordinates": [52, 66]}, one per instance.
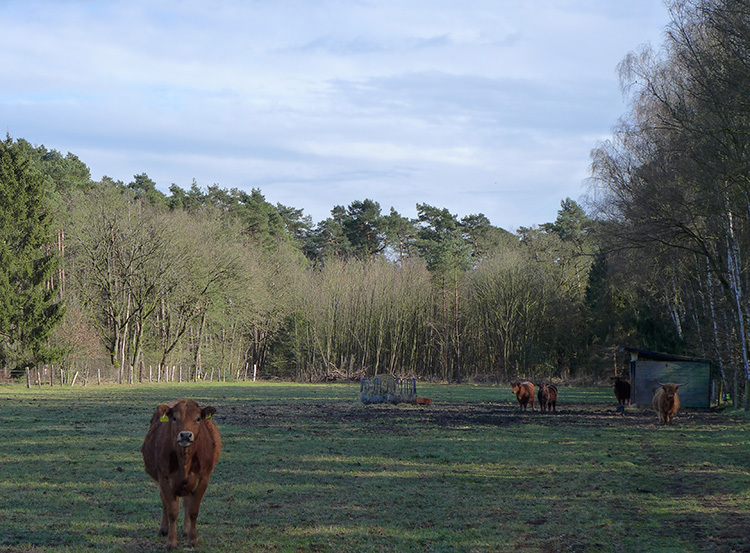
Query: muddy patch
{"type": "Point", "coordinates": [401, 419]}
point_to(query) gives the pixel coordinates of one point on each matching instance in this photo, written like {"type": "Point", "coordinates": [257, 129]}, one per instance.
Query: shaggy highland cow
{"type": "Point", "coordinates": [524, 393]}
{"type": "Point", "coordinates": [547, 397]}
{"type": "Point", "coordinates": [666, 402]}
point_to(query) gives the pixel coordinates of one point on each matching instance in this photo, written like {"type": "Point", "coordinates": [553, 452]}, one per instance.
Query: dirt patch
{"type": "Point", "coordinates": [401, 418]}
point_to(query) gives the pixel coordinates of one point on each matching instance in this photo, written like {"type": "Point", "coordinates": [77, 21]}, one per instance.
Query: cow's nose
{"type": "Point", "coordinates": [185, 438]}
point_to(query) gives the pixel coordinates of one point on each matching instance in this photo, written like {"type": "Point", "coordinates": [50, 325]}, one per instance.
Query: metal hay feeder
{"type": "Point", "coordinates": [389, 389]}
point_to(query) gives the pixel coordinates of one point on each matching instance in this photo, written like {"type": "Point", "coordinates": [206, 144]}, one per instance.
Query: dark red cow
{"type": "Point", "coordinates": [622, 390]}
{"type": "Point", "coordinates": [524, 393]}
{"type": "Point", "coordinates": [547, 397]}
{"type": "Point", "coordinates": [180, 452]}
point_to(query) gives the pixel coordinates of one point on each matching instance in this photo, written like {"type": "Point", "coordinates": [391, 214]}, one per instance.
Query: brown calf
{"type": "Point", "coordinates": [180, 452]}
{"type": "Point", "coordinates": [547, 397]}
{"type": "Point", "coordinates": [666, 402]}
{"type": "Point", "coordinates": [524, 393]}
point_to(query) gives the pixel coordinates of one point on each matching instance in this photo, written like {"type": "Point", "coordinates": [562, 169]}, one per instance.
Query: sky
{"type": "Point", "coordinates": [477, 106]}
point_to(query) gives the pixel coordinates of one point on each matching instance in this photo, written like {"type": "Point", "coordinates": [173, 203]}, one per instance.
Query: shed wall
{"type": "Point", "coordinates": [695, 375]}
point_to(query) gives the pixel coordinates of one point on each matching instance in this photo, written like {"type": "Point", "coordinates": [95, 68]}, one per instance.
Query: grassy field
{"type": "Point", "coordinates": [308, 468]}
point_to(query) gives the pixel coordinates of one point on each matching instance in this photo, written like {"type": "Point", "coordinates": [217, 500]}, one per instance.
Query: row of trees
{"type": "Point", "coordinates": [221, 283]}
{"type": "Point", "coordinates": [221, 278]}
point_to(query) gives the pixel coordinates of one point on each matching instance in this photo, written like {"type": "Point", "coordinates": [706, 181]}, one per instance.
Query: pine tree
{"type": "Point", "coordinates": [29, 305]}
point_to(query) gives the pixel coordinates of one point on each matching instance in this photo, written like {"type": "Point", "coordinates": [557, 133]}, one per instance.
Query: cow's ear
{"type": "Point", "coordinates": [163, 412]}
{"type": "Point", "coordinates": [207, 412]}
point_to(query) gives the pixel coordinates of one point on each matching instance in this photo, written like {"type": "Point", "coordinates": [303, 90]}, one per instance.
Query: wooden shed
{"type": "Point", "coordinates": [648, 368]}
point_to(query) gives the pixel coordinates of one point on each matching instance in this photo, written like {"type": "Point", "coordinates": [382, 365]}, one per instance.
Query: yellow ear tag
{"type": "Point", "coordinates": [164, 418]}
{"type": "Point", "coordinates": [208, 416]}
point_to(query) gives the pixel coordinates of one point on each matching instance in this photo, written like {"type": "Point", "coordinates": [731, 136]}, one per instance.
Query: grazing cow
{"type": "Point", "coordinates": [180, 452]}
{"type": "Point", "coordinates": [666, 402]}
{"type": "Point", "coordinates": [524, 393]}
{"type": "Point", "coordinates": [547, 397]}
{"type": "Point", "coordinates": [622, 390]}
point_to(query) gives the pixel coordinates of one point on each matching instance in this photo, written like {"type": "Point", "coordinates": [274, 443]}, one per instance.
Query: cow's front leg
{"type": "Point", "coordinates": [185, 511]}
{"type": "Point", "coordinates": [170, 510]}
{"type": "Point", "coordinates": [164, 527]}
{"type": "Point", "coordinates": [191, 505]}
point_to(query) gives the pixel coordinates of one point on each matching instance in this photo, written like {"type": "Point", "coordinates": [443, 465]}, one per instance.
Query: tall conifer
{"type": "Point", "coordinates": [29, 304]}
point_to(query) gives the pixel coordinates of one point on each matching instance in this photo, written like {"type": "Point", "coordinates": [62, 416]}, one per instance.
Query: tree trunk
{"type": "Point", "coordinates": [198, 344]}
{"type": "Point", "coordinates": [457, 368]}
{"type": "Point", "coordinates": [733, 262]}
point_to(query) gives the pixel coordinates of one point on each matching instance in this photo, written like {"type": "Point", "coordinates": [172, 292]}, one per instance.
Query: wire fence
{"type": "Point", "coordinates": [100, 372]}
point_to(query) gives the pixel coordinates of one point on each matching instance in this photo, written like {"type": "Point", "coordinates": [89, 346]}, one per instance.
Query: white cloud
{"type": "Point", "coordinates": [475, 106]}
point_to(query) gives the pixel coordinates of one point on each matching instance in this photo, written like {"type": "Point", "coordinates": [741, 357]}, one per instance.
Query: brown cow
{"type": "Point", "coordinates": [666, 402]}
{"type": "Point", "coordinates": [547, 397]}
{"type": "Point", "coordinates": [524, 393]}
{"type": "Point", "coordinates": [180, 452]}
{"type": "Point", "coordinates": [622, 390]}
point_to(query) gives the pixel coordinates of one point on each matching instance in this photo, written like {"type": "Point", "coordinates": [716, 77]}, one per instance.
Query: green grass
{"type": "Point", "coordinates": [308, 468]}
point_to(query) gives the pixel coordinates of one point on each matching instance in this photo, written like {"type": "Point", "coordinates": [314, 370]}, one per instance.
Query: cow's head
{"type": "Point", "coordinates": [185, 418]}
{"type": "Point", "coordinates": [670, 390]}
